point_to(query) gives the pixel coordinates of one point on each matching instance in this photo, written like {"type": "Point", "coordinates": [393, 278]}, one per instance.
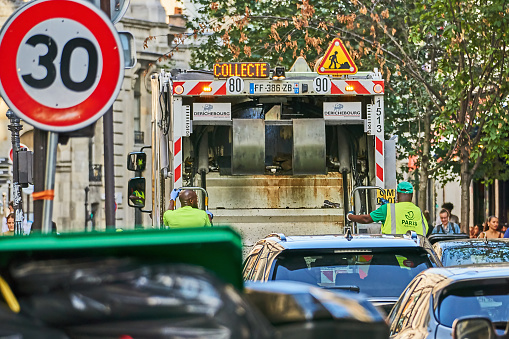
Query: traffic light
{"type": "Point", "coordinates": [5, 171]}
{"type": "Point", "coordinates": [25, 168]}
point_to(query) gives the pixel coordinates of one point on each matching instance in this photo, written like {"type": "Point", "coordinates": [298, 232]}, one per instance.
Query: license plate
{"type": "Point", "coordinates": [277, 88]}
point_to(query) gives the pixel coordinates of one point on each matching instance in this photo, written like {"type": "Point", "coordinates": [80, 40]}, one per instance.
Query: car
{"type": "Point", "coordinates": [436, 237]}
{"type": "Point", "coordinates": [436, 298]}
{"type": "Point", "coordinates": [380, 266]}
{"type": "Point", "coordinates": [472, 251]}
{"type": "Point", "coordinates": [301, 311]}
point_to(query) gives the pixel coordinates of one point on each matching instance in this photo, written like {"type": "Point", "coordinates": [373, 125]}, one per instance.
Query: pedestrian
{"type": "Point", "coordinates": [10, 225]}
{"type": "Point", "coordinates": [506, 234]}
{"type": "Point", "coordinates": [188, 215]}
{"type": "Point", "coordinates": [453, 218]}
{"type": "Point", "coordinates": [398, 218]}
{"type": "Point", "coordinates": [492, 231]}
{"type": "Point", "coordinates": [4, 219]}
{"type": "Point", "coordinates": [504, 228]}
{"type": "Point", "coordinates": [476, 230]}
{"type": "Point", "coordinates": [27, 226]}
{"type": "Point", "coordinates": [446, 226]}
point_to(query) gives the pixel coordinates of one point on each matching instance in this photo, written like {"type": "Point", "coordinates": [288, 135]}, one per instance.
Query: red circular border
{"type": "Point", "coordinates": [90, 108]}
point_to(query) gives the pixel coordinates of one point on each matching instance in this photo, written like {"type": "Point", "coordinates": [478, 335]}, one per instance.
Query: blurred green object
{"type": "Point", "coordinates": [218, 249]}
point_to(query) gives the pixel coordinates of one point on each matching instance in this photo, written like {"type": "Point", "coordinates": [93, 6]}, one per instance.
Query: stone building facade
{"type": "Point", "coordinates": [79, 188]}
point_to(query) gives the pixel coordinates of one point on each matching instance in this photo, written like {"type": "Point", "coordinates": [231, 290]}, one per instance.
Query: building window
{"type": "Point", "coordinates": [95, 173]}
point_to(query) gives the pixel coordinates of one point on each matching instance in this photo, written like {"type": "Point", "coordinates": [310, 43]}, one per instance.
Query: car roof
{"type": "Point", "coordinates": [441, 277]}
{"type": "Point", "coordinates": [473, 242]}
{"type": "Point", "coordinates": [301, 242]}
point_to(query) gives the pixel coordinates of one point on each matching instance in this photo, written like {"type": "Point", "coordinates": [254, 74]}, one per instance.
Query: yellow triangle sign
{"type": "Point", "coordinates": [336, 60]}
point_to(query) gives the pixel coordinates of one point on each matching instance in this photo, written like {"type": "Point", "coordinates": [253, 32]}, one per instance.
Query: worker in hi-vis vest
{"type": "Point", "coordinates": [397, 218]}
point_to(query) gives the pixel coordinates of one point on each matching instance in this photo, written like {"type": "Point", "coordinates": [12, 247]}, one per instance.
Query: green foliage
{"type": "Point", "coordinates": [445, 65]}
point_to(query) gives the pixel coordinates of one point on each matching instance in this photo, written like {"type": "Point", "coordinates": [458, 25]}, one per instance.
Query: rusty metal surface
{"type": "Point", "coordinates": [248, 146]}
{"type": "Point", "coordinates": [274, 191]}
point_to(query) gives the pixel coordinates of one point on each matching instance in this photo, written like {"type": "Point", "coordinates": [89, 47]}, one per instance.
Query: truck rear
{"type": "Point", "coordinates": [276, 150]}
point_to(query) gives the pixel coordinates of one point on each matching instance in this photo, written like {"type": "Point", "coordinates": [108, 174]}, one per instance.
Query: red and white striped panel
{"type": "Point", "coordinates": [379, 161]}
{"type": "Point", "coordinates": [359, 87]}
{"type": "Point", "coordinates": [177, 163]}
{"type": "Point", "coordinates": [197, 87]}
{"type": "Point", "coordinates": [179, 111]}
{"type": "Point", "coordinates": [379, 143]}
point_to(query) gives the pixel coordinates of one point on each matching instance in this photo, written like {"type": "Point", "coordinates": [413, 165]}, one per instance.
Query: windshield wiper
{"type": "Point", "coordinates": [352, 288]}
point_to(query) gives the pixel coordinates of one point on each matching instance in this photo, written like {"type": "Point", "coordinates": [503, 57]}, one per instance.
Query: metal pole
{"type": "Point", "coordinates": [15, 127]}
{"type": "Point", "coordinates": [109, 170]}
{"type": "Point", "coordinates": [40, 144]}
{"type": "Point", "coordinates": [87, 215]}
{"type": "Point", "coordinates": [49, 182]}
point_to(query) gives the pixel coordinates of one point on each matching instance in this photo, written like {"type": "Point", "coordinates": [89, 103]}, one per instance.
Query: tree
{"type": "Point", "coordinates": [445, 60]}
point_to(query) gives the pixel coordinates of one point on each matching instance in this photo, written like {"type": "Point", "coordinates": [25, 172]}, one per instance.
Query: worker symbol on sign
{"type": "Point", "coordinates": [336, 60]}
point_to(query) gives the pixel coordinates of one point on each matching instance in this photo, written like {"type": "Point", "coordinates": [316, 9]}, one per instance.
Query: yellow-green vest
{"type": "Point", "coordinates": [403, 217]}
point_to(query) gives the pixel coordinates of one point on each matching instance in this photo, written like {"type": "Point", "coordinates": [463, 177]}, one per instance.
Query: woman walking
{"type": "Point", "coordinates": [492, 230]}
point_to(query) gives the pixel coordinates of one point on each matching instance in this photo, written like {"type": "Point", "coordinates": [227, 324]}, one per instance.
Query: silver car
{"type": "Point", "coordinates": [435, 298]}
{"type": "Point", "coordinates": [472, 251]}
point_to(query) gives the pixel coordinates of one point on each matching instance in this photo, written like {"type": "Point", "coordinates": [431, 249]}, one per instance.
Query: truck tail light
{"type": "Point", "coordinates": [179, 89]}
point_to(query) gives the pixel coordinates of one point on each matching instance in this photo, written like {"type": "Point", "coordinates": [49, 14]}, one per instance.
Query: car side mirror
{"type": "Point", "coordinates": [136, 161]}
{"type": "Point", "coordinates": [473, 328]}
{"type": "Point", "coordinates": [136, 192]}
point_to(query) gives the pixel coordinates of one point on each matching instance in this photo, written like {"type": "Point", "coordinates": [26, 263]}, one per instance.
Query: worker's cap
{"type": "Point", "coordinates": [405, 187]}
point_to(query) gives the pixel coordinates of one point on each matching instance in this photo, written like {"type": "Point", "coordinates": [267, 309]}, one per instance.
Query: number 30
{"type": "Point", "coordinates": [47, 61]}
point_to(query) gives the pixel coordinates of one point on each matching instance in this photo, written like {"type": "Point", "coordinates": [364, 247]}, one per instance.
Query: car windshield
{"type": "Point", "coordinates": [489, 300]}
{"type": "Point", "coordinates": [377, 274]}
{"type": "Point", "coordinates": [474, 255]}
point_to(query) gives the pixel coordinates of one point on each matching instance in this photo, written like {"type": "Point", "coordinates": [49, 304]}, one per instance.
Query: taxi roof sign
{"type": "Point", "coordinates": [336, 60]}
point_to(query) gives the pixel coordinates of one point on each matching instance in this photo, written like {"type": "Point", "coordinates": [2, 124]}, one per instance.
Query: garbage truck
{"type": "Point", "coordinates": [276, 150]}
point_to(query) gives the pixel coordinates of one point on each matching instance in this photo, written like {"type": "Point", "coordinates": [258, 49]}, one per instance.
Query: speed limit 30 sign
{"type": "Point", "coordinates": [62, 64]}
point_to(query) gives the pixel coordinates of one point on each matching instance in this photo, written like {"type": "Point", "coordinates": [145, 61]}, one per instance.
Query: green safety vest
{"type": "Point", "coordinates": [402, 218]}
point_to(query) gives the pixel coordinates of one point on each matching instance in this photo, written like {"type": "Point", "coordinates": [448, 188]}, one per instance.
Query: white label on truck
{"type": "Point", "coordinates": [188, 127]}
{"type": "Point", "coordinates": [212, 111]}
{"type": "Point", "coordinates": [342, 110]}
{"type": "Point", "coordinates": [235, 85]}
{"type": "Point", "coordinates": [321, 85]}
{"type": "Point", "coordinates": [368, 123]}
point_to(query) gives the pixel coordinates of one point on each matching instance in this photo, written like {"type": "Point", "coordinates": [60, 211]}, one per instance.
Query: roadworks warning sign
{"type": "Point", "coordinates": [336, 60]}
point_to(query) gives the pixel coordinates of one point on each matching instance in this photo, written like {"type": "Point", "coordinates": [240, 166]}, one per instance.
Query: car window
{"type": "Point", "coordinates": [474, 255]}
{"type": "Point", "coordinates": [413, 308]}
{"type": "Point", "coordinates": [395, 312]}
{"type": "Point", "coordinates": [252, 262]}
{"type": "Point", "coordinates": [489, 300]}
{"type": "Point", "coordinates": [377, 274]}
{"type": "Point", "coordinates": [261, 269]}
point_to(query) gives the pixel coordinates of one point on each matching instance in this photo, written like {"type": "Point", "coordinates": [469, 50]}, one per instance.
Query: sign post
{"type": "Point", "coordinates": [62, 69]}
{"type": "Point", "coordinates": [109, 166]}
{"type": "Point", "coordinates": [15, 127]}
